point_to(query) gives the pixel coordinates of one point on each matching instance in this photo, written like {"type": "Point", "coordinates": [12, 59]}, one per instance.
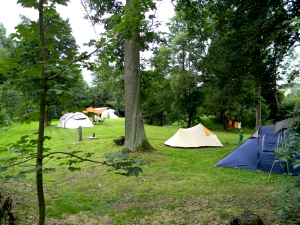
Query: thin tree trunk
{"type": "Point", "coordinates": [39, 159]}
{"type": "Point", "coordinates": [223, 119]}
{"type": "Point", "coordinates": [258, 107]}
{"type": "Point", "coordinates": [46, 118]}
{"type": "Point", "coordinates": [277, 102]}
{"type": "Point", "coordinates": [135, 136]}
{"type": "Point", "coordinates": [161, 118]}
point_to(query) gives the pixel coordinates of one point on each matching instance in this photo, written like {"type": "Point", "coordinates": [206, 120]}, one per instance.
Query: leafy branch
{"type": "Point", "coordinates": [124, 164]}
{"type": "Point", "coordinates": [72, 62]}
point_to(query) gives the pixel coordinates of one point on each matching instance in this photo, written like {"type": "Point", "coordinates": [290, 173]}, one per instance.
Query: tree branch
{"type": "Point", "coordinates": [78, 157]}
{"type": "Point", "coordinates": [89, 18]}
{"type": "Point", "coordinates": [74, 61]}
{"type": "Point", "coordinates": [22, 162]}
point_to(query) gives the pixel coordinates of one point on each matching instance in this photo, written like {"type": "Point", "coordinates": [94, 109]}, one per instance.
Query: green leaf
{"type": "Point", "coordinates": [49, 170]}
{"type": "Point", "coordinates": [33, 142]}
{"type": "Point", "coordinates": [70, 92]}
{"type": "Point", "coordinates": [132, 171]}
{"type": "Point", "coordinates": [135, 171]}
{"type": "Point", "coordinates": [47, 138]}
{"type": "Point", "coordinates": [58, 92]}
{"type": "Point", "coordinates": [88, 154]}
{"type": "Point", "coordinates": [51, 44]}
{"type": "Point", "coordinates": [26, 165]}
{"type": "Point", "coordinates": [8, 177]}
{"type": "Point", "coordinates": [296, 165]}
{"type": "Point", "coordinates": [70, 76]}
{"type": "Point", "coordinates": [21, 175]}
{"type": "Point", "coordinates": [34, 169]}
{"type": "Point", "coordinates": [28, 3]}
{"type": "Point", "coordinates": [71, 168]}
{"type": "Point", "coordinates": [47, 150]}
{"type": "Point", "coordinates": [3, 168]}
{"type": "Point", "coordinates": [16, 150]}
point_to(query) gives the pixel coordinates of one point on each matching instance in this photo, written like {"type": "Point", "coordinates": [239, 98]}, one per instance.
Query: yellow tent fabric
{"type": "Point", "coordinates": [207, 131]}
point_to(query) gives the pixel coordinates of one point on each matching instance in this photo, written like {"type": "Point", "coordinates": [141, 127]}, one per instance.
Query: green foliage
{"type": "Point", "coordinates": [10, 99]}
{"type": "Point", "coordinates": [291, 149]}
{"type": "Point", "coordinates": [64, 81]}
{"type": "Point", "coordinates": [240, 36]}
{"type": "Point", "coordinates": [124, 163]}
{"type": "Point", "coordinates": [287, 198]}
{"type": "Point", "coordinates": [287, 108]}
{"type": "Point", "coordinates": [120, 23]}
{"type": "Point", "coordinates": [288, 152]}
{"type": "Point", "coordinates": [6, 50]}
{"type": "Point", "coordinates": [156, 93]}
{"type": "Point", "coordinates": [22, 153]}
{"type": "Point", "coordinates": [108, 86]}
{"type": "Point", "coordinates": [4, 117]}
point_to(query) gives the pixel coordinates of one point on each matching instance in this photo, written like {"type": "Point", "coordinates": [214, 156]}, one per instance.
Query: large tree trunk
{"type": "Point", "coordinates": [135, 137]}
{"type": "Point", "coordinates": [39, 158]}
{"type": "Point", "coordinates": [258, 107]}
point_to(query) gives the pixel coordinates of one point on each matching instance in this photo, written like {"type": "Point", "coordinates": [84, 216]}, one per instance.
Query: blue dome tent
{"type": "Point", "coordinates": [258, 152]}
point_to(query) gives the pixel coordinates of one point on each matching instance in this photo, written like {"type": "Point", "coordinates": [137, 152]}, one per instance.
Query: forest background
{"type": "Point", "coordinates": [193, 71]}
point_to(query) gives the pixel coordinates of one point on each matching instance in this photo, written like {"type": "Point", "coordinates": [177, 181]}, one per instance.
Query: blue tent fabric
{"type": "Point", "coordinates": [258, 153]}
{"type": "Point", "coordinates": [270, 142]}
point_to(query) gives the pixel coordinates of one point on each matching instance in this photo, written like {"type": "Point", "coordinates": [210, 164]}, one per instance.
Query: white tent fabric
{"type": "Point", "coordinates": [74, 120]}
{"type": "Point", "coordinates": [109, 113]}
{"type": "Point", "coordinates": [194, 137]}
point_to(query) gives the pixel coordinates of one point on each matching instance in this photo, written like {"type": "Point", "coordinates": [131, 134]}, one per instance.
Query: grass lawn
{"type": "Point", "coordinates": [178, 186]}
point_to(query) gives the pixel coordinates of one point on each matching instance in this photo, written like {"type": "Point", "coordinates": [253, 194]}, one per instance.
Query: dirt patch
{"type": "Point", "coordinates": [81, 218]}
{"type": "Point", "coordinates": [213, 210]}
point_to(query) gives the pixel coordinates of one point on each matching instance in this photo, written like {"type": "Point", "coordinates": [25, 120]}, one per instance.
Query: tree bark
{"type": "Point", "coordinates": [47, 119]}
{"type": "Point", "coordinates": [39, 158]}
{"type": "Point", "coordinates": [135, 135]}
{"type": "Point", "coordinates": [258, 107]}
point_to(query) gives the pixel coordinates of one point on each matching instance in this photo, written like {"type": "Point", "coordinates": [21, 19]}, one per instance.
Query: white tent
{"type": "Point", "coordinates": [74, 120]}
{"type": "Point", "coordinates": [197, 136]}
{"type": "Point", "coordinates": [109, 113]}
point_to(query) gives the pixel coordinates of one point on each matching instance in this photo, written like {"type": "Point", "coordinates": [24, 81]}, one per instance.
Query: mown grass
{"type": "Point", "coordinates": [178, 186]}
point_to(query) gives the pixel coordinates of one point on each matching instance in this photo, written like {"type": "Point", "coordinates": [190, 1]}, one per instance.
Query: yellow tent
{"type": "Point", "coordinates": [194, 137]}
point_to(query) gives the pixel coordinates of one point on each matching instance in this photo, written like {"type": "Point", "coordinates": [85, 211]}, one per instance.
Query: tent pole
{"type": "Point", "coordinates": [272, 166]}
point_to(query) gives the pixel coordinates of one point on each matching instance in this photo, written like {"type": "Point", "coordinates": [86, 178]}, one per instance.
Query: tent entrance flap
{"type": "Point", "coordinates": [270, 142]}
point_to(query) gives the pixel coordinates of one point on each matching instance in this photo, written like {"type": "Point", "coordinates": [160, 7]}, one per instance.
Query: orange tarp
{"type": "Point", "coordinates": [96, 111]}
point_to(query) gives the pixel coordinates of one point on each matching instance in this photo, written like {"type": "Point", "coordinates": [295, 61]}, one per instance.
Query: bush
{"type": "Point", "coordinates": [287, 199]}
{"type": "Point", "coordinates": [286, 109]}
{"type": "Point", "coordinates": [4, 118]}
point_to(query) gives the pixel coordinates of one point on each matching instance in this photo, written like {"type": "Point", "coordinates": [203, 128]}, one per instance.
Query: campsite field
{"type": "Point", "coordinates": [178, 186]}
